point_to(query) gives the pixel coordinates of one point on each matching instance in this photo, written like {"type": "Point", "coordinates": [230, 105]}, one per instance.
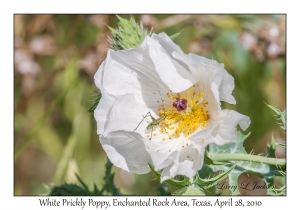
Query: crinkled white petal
{"type": "Point", "coordinates": [211, 95]}
{"type": "Point", "coordinates": [217, 74]}
{"type": "Point", "coordinates": [195, 64]}
{"type": "Point", "coordinates": [170, 70]}
{"type": "Point", "coordinates": [169, 46]}
{"type": "Point", "coordinates": [127, 151]}
{"type": "Point", "coordinates": [188, 162]}
{"type": "Point", "coordinates": [226, 88]}
{"type": "Point", "coordinates": [102, 110]}
{"type": "Point", "coordinates": [163, 152]}
{"type": "Point", "coordinates": [133, 72]}
{"type": "Point", "coordinates": [126, 114]}
{"type": "Point", "coordinates": [225, 131]}
{"type": "Point", "coordinates": [148, 61]}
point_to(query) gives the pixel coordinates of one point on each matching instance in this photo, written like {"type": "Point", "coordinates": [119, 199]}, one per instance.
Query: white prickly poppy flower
{"type": "Point", "coordinates": [182, 92]}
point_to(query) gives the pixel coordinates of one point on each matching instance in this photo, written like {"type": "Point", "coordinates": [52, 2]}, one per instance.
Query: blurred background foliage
{"type": "Point", "coordinates": [56, 57]}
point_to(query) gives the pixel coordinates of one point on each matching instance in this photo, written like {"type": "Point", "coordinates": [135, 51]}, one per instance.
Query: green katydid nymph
{"type": "Point", "coordinates": [151, 125]}
{"type": "Point", "coordinates": [155, 122]}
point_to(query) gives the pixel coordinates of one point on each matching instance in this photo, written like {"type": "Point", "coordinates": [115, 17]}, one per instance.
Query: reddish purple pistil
{"type": "Point", "coordinates": [180, 104]}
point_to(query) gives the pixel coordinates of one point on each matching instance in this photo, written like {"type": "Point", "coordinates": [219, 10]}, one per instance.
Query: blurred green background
{"type": "Point", "coordinates": [56, 57]}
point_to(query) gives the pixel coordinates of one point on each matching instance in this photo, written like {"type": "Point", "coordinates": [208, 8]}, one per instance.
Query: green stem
{"type": "Point", "coordinates": [192, 179]}
{"type": "Point", "coordinates": [246, 157]}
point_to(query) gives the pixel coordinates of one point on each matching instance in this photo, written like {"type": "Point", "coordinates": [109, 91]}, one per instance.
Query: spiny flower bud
{"type": "Point", "coordinates": [127, 35]}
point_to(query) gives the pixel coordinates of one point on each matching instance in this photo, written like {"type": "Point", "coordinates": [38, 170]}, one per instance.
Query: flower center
{"type": "Point", "coordinates": [180, 104]}
{"type": "Point", "coordinates": [185, 115]}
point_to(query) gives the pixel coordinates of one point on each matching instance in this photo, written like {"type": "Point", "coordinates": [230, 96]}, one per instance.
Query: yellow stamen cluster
{"type": "Point", "coordinates": [185, 122]}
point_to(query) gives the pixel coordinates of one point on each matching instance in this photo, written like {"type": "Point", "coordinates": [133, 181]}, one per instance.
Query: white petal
{"type": "Point", "coordinates": [126, 114]}
{"type": "Point", "coordinates": [123, 74]}
{"type": "Point", "coordinates": [216, 73]}
{"type": "Point", "coordinates": [226, 88]}
{"type": "Point", "coordinates": [163, 152]}
{"type": "Point", "coordinates": [188, 162]}
{"type": "Point", "coordinates": [195, 64]}
{"type": "Point", "coordinates": [161, 160]}
{"type": "Point", "coordinates": [170, 70]}
{"type": "Point", "coordinates": [127, 151]}
{"type": "Point", "coordinates": [169, 46]}
{"type": "Point", "coordinates": [105, 104]}
{"type": "Point", "coordinates": [203, 134]}
{"type": "Point", "coordinates": [225, 132]}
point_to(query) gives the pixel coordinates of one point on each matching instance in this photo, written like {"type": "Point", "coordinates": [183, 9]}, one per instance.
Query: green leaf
{"type": "Point", "coordinates": [82, 183]}
{"type": "Point", "coordinates": [270, 180]}
{"type": "Point", "coordinates": [281, 191]}
{"type": "Point", "coordinates": [260, 169]}
{"type": "Point", "coordinates": [157, 174]}
{"type": "Point", "coordinates": [163, 190]}
{"type": "Point", "coordinates": [96, 191]}
{"type": "Point", "coordinates": [205, 171]}
{"type": "Point", "coordinates": [109, 186]}
{"type": "Point", "coordinates": [190, 190]}
{"type": "Point", "coordinates": [271, 148]}
{"type": "Point", "coordinates": [271, 190]}
{"type": "Point", "coordinates": [174, 36]}
{"type": "Point", "coordinates": [69, 190]}
{"type": "Point", "coordinates": [96, 102]}
{"type": "Point", "coordinates": [281, 116]}
{"type": "Point", "coordinates": [282, 145]}
{"type": "Point", "coordinates": [207, 183]}
{"type": "Point", "coordinates": [72, 189]}
{"type": "Point", "coordinates": [183, 182]}
{"type": "Point", "coordinates": [283, 173]}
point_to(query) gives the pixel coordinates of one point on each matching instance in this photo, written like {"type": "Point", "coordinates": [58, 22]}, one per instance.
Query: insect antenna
{"type": "Point", "coordinates": [161, 99]}
{"type": "Point", "coordinates": [142, 120]}
{"type": "Point", "coordinates": [164, 117]}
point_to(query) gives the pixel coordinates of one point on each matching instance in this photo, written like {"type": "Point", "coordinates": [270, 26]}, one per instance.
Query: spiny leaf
{"type": "Point", "coordinates": [163, 190]}
{"type": "Point", "coordinates": [279, 192]}
{"type": "Point", "coordinates": [82, 183]}
{"type": "Point", "coordinates": [96, 191]}
{"type": "Point", "coordinates": [272, 147]}
{"type": "Point", "coordinates": [96, 102]}
{"type": "Point", "coordinates": [74, 190]}
{"type": "Point", "coordinates": [174, 36]}
{"type": "Point", "coordinates": [173, 182]}
{"type": "Point", "coordinates": [190, 190]}
{"type": "Point", "coordinates": [281, 116]}
{"type": "Point", "coordinates": [109, 180]}
{"type": "Point", "coordinates": [205, 171]}
{"type": "Point", "coordinates": [282, 145]}
{"type": "Point", "coordinates": [69, 190]}
{"type": "Point", "coordinates": [260, 169]}
{"type": "Point", "coordinates": [271, 190]}
{"type": "Point", "coordinates": [283, 173]}
{"type": "Point", "coordinates": [237, 147]}
{"type": "Point", "coordinates": [269, 180]}
{"type": "Point", "coordinates": [207, 183]}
